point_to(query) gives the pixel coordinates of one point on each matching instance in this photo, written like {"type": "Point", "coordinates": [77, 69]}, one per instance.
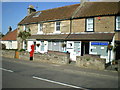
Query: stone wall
{"type": "Point", "coordinates": [90, 61]}
{"type": "Point", "coordinates": [50, 57]}
{"type": "Point", "coordinates": [86, 61]}
{"type": "Point", "coordinates": [78, 25]}
{"type": "Point", "coordinates": [117, 36]}
{"type": "Point", "coordinates": [104, 24]}
{"type": "Point", "coordinates": [8, 53]}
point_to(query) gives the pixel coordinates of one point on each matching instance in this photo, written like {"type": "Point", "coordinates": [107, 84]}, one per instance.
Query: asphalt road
{"type": "Point", "coordinates": [26, 74]}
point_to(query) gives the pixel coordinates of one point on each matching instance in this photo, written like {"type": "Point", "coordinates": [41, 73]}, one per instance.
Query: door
{"type": "Point", "coordinates": [74, 48]}
{"type": "Point", "coordinates": [84, 48]}
{"type": "Point", "coordinates": [118, 52]}
{"type": "Point", "coordinates": [42, 46]}
{"type": "Point", "coordinates": [77, 48]}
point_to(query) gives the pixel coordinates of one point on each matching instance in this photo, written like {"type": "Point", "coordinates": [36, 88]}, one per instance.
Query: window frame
{"type": "Point", "coordinates": [117, 27]}
{"type": "Point", "coordinates": [57, 26]}
{"type": "Point", "coordinates": [24, 27]}
{"type": "Point", "coordinates": [40, 28]}
{"type": "Point", "coordinates": [88, 22]}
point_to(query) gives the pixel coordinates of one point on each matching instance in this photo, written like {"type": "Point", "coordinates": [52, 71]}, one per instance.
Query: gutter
{"type": "Point", "coordinates": [45, 21]}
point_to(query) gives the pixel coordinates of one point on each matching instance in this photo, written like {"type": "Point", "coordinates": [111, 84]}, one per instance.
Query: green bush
{"type": "Point", "coordinates": [88, 59]}
{"type": "Point", "coordinates": [21, 50]}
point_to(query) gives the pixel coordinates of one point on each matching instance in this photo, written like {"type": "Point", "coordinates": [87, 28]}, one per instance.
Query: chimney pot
{"type": "Point", "coordinates": [9, 29]}
{"type": "Point", "coordinates": [30, 9]}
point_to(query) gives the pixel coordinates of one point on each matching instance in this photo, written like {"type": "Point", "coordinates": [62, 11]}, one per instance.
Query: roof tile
{"type": "Point", "coordinates": [10, 36]}
{"type": "Point", "coordinates": [51, 14]}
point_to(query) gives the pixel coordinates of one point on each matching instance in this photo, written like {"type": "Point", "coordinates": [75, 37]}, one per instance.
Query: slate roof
{"type": "Point", "coordinates": [91, 36]}
{"type": "Point", "coordinates": [51, 14]}
{"type": "Point", "coordinates": [10, 36]}
{"type": "Point", "coordinates": [87, 10]}
{"type": "Point", "coordinates": [49, 37]}
{"type": "Point", "coordinates": [81, 37]}
{"type": "Point", "coordinates": [98, 9]}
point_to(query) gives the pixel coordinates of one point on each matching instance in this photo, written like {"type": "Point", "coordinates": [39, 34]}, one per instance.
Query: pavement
{"type": "Point", "coordinates": [71, 68]}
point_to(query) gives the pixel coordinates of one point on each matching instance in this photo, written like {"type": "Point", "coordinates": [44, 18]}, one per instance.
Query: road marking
{"type": "Point", "coordinates": [6, 70]}
{"type": "Point", "coordinates": [56, 65]}
{"type": "Point", "coordinates": [58, 83]}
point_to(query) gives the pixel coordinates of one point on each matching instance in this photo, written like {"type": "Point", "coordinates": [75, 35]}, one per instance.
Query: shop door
{"type": "Point", "coordinates": [77, 48]}
{"type": "Point", "coordinates": [118, 52]}
{"type": "Point", "coordinates": [84, 48]}
{"type": "Point", "coordinates": [42, 46]}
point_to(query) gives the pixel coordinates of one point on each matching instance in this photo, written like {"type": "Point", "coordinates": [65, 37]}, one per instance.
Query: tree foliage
{"type": "Point", "coordinates": [24, 35]}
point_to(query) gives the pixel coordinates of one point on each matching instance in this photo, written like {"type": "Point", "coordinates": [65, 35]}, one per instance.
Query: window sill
{"type": "Point", "coordinates": [117, 30]}
{"type": "Point", "coordinates": [89, 31]}
{"type": "Point", "coordinates": [57, 32]}
{"type": "Point", "coordinates": [39, 32]}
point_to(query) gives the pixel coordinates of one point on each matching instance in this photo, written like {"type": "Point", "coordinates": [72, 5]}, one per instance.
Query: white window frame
{"type": "Point", "coordinates": [24, 27]}
{"type": "Point", "coordinates": [57, 31]}
{"type": "Point", "coordinates": [89, 24]}
{"type": "Point", "coordinates": [40, 28]}
{"type": "Point", "coordinates": [117, 21]}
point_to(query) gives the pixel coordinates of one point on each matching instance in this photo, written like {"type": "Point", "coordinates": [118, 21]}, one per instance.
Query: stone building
{"type": "Point", "coordinates": [88, 28]}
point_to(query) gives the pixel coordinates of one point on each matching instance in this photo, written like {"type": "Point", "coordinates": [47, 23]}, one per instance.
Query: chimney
{"type": "Point", "coordinates": [9, 29]}
{"type": "Point", "coordinates": [30, 10]}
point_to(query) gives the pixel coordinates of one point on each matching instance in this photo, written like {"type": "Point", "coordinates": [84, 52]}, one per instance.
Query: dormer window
{"type": "Point", "coordinates": [57, 27]}
{"type": "Point", "coordinates": [37, 14]}
{"type": "Point", "coordinates": [89, 25]}
{"type": "Point", "coordinates": [117, 22]}
{"type": "Point", "coordinates": [40, 28]}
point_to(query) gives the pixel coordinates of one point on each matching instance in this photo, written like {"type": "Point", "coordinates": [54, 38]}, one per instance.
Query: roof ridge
{"type": "Point", "coordinates": [58, 7]}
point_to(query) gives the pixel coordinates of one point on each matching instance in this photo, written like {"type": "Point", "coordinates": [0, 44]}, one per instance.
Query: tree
{"type": "Point", "coordinates": [23, 35]}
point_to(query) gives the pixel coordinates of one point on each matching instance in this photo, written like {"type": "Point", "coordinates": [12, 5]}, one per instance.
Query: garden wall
{"type": "Point", "coordinates": [51, 56]}
{"type": "Point", "coordinates": [90, 61]}
{"type": "Point", "coordinates": [86, 61]}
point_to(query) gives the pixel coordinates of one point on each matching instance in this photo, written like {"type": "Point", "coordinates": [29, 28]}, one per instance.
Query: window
{"type": "Point", "coordinates": [89, 24]}
{"type": "Point", "coordinates": [57, 26]}
{"type": "Point", "coordinates": [118, 23]}
{"type": "Point", "coordinates": [40, 28]}
{"type": "Point", "coordinates": [37, 14]}
{"type": "Point", "coordinates": [24, 27]}
{"type": "Point", "coordinates": [24, 44]}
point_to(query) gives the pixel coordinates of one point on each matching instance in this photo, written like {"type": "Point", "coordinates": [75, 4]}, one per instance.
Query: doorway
{"type": "Point", "coordinates": [84, 47]}
{"type": "Point", "coordinates": [118, 52]}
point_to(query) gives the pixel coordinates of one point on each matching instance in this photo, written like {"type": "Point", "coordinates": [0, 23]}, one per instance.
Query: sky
{"type": "Point", "coordinates": [13, 11]}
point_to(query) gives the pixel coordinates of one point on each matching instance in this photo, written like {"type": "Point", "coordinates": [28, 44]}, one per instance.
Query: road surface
{"type": "Point", "coordinates": [27, 74]}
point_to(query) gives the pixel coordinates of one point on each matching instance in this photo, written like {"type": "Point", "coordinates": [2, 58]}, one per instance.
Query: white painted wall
{"type": "Point", "coordinates": [29, 45]}
{"type": "Point", "coordinates": [38, 49]}
{"type": "Point", "coordinates": [10, 44]}
{"type": "Point", "coordinates": [70, 49]}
